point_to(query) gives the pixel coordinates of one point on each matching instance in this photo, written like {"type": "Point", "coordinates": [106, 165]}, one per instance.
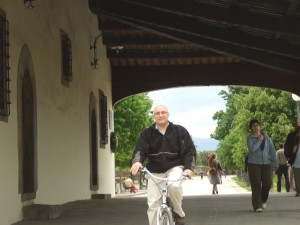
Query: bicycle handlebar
{"type": "Point", "coordinates": [145, 170]}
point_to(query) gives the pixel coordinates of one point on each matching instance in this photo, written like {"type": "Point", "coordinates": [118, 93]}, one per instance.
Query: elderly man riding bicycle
{"type": "Point", "coordinates": [169, 150]}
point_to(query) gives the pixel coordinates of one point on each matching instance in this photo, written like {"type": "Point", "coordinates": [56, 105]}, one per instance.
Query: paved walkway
{"type": "Point", "coordinates": [231, 207]}
{"type": "Point", "coordinates": [198, 186]}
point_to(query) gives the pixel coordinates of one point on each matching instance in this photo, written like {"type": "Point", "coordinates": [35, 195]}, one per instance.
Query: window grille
{"type": "Point", "coordinates": [4, 68]}
{"type": "Point", "coordinates": [66, 49]}
{"type": "Point", "coordinates": [103, 119]}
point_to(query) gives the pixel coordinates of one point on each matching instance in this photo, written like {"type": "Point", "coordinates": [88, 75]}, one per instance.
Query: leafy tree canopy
{"type": "Point", "coordinates": [275, 110]}
{"type": "Point", "coordinates": [202, 158]}
{"type": "Point", "coordinates": [131, 117]}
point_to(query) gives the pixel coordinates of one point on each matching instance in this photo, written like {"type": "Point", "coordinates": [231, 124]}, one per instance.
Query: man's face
{"type": "Point", "coordinates": [161, 115]}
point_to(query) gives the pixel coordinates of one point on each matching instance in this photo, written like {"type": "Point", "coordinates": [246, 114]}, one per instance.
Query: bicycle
{"type": "Point", "coordinates": [165, 214]}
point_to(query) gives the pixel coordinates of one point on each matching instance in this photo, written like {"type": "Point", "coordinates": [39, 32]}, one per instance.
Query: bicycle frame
{"type": "Point", "coordinates": [165, 211]}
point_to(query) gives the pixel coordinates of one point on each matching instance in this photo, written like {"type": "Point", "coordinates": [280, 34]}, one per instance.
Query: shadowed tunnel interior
{"type": "Point", "coordinates": [157, 44]}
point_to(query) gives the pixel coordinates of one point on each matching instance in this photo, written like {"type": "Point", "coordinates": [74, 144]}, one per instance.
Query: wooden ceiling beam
{"type": "Point", "coordinates": [173, 61]}
{"type": "Point", "coordinates": [115, 40]}
{"type": "Point", "coordinates": [263, 40]}
{"type": "Point", "coordinates": [179, 53]}
{"type": "Point", "coordinates": [273, 53]}
{"type": "Point", "coordinates": [280, 15]}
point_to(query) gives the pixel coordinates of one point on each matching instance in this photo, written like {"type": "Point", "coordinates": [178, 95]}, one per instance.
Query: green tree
{"type": "Point", "coordinates": [226, 132]}
{"type": "Point", "coordinates": [202, 157]}
{"type": "Point", "coordinates": [226, 150]}
{"type": "Point", "coordinates": [131, 116]}
{"type": "Point", "coordinates": [225, 118]}
{"type": "Point", "coordinates": [275, 110]}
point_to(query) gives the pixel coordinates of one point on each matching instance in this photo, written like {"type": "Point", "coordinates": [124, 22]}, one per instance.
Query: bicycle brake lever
{"type": "Point", "coordinates": [185, 174]}
{"type": "Point", "coordinates": [142, 170]}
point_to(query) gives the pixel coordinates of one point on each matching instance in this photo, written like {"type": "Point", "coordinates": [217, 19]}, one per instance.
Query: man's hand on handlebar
{"type": "Point", "coordinates": [189, 173]}
{"type": "Point", "coordinates": [135, 168]}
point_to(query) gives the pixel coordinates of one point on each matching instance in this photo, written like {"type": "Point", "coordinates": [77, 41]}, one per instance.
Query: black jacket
{"type": "Point", "coordinates": [291, 140]}
{"type": "Point", "coordinates": [163, 152]}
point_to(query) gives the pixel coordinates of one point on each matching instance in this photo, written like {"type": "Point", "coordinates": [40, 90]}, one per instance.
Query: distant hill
{"type": "Point", "coordinates": [205, 144]}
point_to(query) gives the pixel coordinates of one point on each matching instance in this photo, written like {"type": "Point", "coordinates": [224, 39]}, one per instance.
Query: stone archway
{"type": "Point", "coordinates": [27, 127]}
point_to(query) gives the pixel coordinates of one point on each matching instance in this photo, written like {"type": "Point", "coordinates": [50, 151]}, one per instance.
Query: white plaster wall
{"type": "Point", "coordinates": [10, 202]}
{"type": "Point", "coordinates": [63, 149]}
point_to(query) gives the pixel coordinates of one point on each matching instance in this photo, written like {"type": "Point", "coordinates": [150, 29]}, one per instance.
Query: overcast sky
{"type": "Point", "coordinates": [192, 107]}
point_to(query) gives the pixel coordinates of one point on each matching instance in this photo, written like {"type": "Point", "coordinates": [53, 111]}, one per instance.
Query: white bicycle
{"type": "Point", "coordinates": [165, 215]}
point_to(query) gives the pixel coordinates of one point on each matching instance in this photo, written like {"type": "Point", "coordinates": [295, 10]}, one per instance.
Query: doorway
{"type": "Point", "coordinates": [27, 127]}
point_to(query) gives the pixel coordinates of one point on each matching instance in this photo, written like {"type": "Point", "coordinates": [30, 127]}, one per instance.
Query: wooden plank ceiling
{"type": "Point", "coordinates": [163, 36]}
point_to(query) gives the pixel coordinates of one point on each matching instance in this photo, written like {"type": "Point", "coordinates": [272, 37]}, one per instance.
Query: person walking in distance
{"type": "Point", "coordinates": [169, 150]}
{"type": "Point", "coordinates": [260, 148]}
{"type": "Point", "coordinates": [282, 169]}
{"type": "Point", "coordinates": [201, 175]}
{"type": "Point", "coordinates": [128, 183]}
{"type": "Point", "coordinates": [296, 162]}
{"type": "Point", "coordinates": [290, 141]}
{"type": "Point", "coordinates": [214, 173]}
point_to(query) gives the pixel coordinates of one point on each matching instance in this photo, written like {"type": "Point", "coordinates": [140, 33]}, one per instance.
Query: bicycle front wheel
{"type": "Point", "coordinates": [165, 217]}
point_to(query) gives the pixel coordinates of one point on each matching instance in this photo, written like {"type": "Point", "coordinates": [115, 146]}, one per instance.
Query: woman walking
{"type": "Point", "coordinates": [260, 147]}
{"type": "Point", "coordinates": [296, 163]}
{"type": "Point", "coordinates": [214, 173]}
